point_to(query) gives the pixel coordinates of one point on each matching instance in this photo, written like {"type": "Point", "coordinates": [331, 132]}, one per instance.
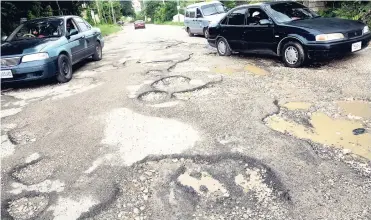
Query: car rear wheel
{"type": "Point", "coordinates": [223, 47]}
{"type": "Point", "coordinates": [206, 33]}
{"type": "Point", "coordinates": [293, 54]}
{"type": "Point", "coordinates": [64, 69]}
{"type": "Point", "coordinates": [189, 32]}
{"type": "Point", "coordinates": [98, 52]}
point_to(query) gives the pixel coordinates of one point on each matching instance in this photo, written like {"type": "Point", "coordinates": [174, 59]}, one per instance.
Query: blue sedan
{"type": "Point", "coordinates": [48, 47]}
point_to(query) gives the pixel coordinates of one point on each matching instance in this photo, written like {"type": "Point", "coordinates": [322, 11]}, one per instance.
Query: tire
{"type": "Point", "coordinates": [189, 32]}
{"type": "Point", "coordinates": [293, 54]}
{"type": "Point", "coordinates": [223, 48]}
{"type": "Point", "coordinates": [206, 32]}
{"type": "Point", "coordinates": [64, 73]}
{"type": "Point", "coordinates": [98, 52]}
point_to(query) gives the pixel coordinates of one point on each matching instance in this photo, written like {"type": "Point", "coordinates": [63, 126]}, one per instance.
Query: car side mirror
{"type": "Point", "coordinates": [265, 22]}
{"type": "Point", "coordinates": [4, 38]}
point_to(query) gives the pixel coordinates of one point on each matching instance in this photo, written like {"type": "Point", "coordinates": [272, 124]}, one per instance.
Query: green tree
{"type": "Point", "coordinates": [151, 7]}
{"type": "Point", "coordinates": [127, 8]}
{"type": "Point", "coordinates": [48, 11]}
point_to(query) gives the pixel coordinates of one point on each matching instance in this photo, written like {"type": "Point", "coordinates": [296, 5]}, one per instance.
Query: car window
{"type": "Point", "coordinates": [192, 14]}
{"type": "Point", "coordinates": [187, 14]}
{"type": "Point", "coordinates": [237, 17]}
{"type": "Point", "coordinates": [255, 15]}
{"type": "Point", "coordinates": [286, 12]}
{"type": "Point", "coordinates": [71, 25]}
{"type": "Point", "coordinates": [82, 24]}
{"type": "Point", "coordinates": [40, 28]}
{"type": "Point", "coordinates": [212, 9]}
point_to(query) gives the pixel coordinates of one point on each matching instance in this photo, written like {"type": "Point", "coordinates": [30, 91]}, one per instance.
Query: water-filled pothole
{"type": "Point", "coordinates": [171, 82]}
{"type": "Point", "coordinates": [154, 96]}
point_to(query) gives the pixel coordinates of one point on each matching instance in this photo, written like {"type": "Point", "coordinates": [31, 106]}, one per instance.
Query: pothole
{"type": "Point", "coordinates": [171, 82]}
{"type": "Point", "coordinates": [154, 96]}
{"type": "Point", "coordinates": [326, 130]}
{"type": "Point", "coordinates": [297, 105]}
{"type": "Point", "coordinates": [27, 207]}
{"type": "Point", "coordinates": [209, 187]}
{"type": "Point", "coordinates": [21, 137]}
{"type": "Point", "coordinates": [35, 172]}
{"type": "Point", "coordinates": [356, 108]}
{"type": "Point", "coordinates": [201, 91]}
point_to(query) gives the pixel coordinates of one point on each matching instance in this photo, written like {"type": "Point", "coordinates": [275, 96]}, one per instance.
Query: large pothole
{"type": "Point", "coordinates": [27, 207]}
{"type": "Point", "coordinates": [154, 96]}
{"type": "Point", "coordinates": [34, 172]}
{"type": "Point", "coordinates": [209, 187]}
{"type": "Point", "coordinates": [171, 82]}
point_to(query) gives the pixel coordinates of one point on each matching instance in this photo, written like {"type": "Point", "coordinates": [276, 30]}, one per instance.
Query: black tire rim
{"type": "Point", "coordinates": [65, 67]}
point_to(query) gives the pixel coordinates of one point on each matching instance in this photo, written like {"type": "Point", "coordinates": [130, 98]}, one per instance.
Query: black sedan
{"type": "Point", "coordinates": [289, 29]}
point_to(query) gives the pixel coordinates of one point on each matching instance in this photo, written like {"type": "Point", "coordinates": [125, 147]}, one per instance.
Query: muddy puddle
{"type": "Point", "coordinates": [328, 131]}
{"type": "Point", "coordinates": [356, 108]}
{"type": "Point", "coordinates": [250, 69]}
{"type": "Point", "coordinates": [297, 105]}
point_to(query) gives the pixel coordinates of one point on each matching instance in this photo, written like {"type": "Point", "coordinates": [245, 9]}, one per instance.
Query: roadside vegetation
{"type": "Point", "coordinates": [108, 29]}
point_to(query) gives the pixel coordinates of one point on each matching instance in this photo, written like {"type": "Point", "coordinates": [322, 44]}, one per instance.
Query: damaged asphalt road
{"type": "Point", "coordinates": [163, 128]}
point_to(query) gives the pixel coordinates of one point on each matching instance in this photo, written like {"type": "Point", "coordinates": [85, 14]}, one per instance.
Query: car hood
{"type": "Point", "coordinates": [328, 25]}
{"type": "Point", "coordinates": [24, 46]}
{"type": "Point", "coordinates": [215, 18]}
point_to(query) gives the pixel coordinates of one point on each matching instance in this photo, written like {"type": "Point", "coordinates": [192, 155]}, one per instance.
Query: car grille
{"type": "Point", "coordinates": [12, 61]}
{"type": "Point", "coordinates": [352, 34]}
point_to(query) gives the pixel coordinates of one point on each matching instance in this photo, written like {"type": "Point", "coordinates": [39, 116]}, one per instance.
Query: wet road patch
{"type": "Point", "coordinates": [323, 129]}
{"type": "Point", "coordinates": [356, 108]}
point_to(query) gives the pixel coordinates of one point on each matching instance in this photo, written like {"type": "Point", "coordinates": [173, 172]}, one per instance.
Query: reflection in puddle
{"type": "Point", "coordinates": [225, 70]}
{"type": "Point", "coordinates": [297, 105]}
{"type": "Point", "coordinates": [327, 131]}
{"type": "Point", "coordinates": [356, 108]}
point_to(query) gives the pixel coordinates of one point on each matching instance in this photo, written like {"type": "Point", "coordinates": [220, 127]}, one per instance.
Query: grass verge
{"type": "Point", "coordinates": [108, 29]}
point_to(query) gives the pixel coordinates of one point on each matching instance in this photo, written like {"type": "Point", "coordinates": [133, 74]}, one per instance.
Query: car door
{"type": "Point", "coordinates": [233, 28]}
{"type": "Point", "coordinates": [192, 20]}
{"type": "Point", "coordinates": [90, 36]}
{"type": "Point", "coordinates": [258, 36]}
{"type": "Point", "coordinates": [76, 42]}
{"type": "Point", "coordinates": [199, 20]}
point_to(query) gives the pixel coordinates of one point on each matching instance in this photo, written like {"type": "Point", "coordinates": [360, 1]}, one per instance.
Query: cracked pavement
{"type": "Point", "coordinates": [164, 128]}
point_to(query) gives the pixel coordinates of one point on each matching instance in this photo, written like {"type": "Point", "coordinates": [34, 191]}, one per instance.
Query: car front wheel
{"type": "Point", "coordinates": [223, 47]}
{"type": "Point", "coordinates": [64, 69]}
{"type": "Point", "coordinates": [206, 33]}
{"type": "Point", "coordinates": [293, 54]}
{"type": "Point", "coordinates": [98, 52]}
{"type": "Point", "coordinates": [189, 32]}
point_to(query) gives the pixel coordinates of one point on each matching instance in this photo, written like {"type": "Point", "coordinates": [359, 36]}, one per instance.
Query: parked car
{"type": "Point", "coordinates": [290, 30]}
{"type": "Point", "coordinates": [198, 17]}
{"type": "Point", "coordinates": [48, 47]}
{"type": "Point", "coordinates": [139, 24]}
{"type": "Point", "coordinates": [121, 23]}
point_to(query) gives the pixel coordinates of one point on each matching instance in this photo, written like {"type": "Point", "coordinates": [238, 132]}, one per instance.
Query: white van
{"type": "Point", "coordinates": [199, 15]}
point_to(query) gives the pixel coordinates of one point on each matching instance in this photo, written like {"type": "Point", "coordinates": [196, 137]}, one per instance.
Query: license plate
{"type": "Point", "coordinates": [6, 74]}
{"type": "Point", "coordinates": [356, 46]}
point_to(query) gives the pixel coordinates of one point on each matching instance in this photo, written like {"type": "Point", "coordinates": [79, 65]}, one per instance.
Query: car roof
{"type": "Point", "coordinates": [266, 3]}
{"type": "Point", "coordinates": [202, 4]}
{"type": "Point", "coordinates": [55, 17]}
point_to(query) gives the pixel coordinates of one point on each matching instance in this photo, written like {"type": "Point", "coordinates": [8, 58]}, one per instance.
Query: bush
{"type": "Point", "coordinates": [357, 10]}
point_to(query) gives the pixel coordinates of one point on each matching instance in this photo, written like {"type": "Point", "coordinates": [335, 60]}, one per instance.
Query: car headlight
{"type": "Point", "coordinates": [366, 30]}
{"type": "Point", "coordinates": [327, 37]}
{"type": "Point", "coordinates": [34, 57]}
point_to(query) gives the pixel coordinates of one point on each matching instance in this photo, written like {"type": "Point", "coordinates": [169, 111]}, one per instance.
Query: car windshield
{"type": "Point", "coordinates": [212, 9]}
{"type": "Point", "coordinates": [286, 12]}
{"type": "Point", "coordinates": [41, 28]}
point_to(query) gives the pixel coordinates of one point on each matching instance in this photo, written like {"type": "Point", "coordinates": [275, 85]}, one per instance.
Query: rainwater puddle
{"type": "Point", "coordinates": [356, 108]}
{"type": "Point", "coordinates": [297, 105]}
{"type": "Point", "coordinates": [328, 131]}
{"type": "Point", "coordinates": [204, 185]}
